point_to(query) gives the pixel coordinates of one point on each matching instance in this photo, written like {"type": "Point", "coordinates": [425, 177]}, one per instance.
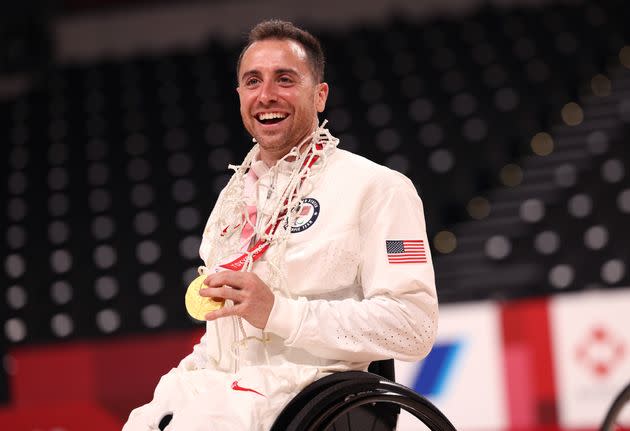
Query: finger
{"type": "Point", "coordinates": [223, 292]}
{"type": "Point", "coordinates": [231, 278]}
{"type": "Point", "coordinates": [223, 312]}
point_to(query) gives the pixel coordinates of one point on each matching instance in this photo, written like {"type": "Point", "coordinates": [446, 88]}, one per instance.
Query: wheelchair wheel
{"type": "Point", "coordinates": [387, 395]}
{"type": "Point", "coordinates": [366, 405]}
{"type": "Point", "coordinates": [622, 399]}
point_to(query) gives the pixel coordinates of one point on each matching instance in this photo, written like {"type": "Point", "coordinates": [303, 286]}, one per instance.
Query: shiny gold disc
{"type": "Point", "coordinates": [196, 305]}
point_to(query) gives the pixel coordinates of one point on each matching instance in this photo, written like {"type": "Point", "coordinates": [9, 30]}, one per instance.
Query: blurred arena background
{"type": "Point", "coordinates": [118, 119]}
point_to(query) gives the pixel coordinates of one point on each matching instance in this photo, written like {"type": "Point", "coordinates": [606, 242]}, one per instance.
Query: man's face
{"type": "Point", "coordinates": [279, 96]}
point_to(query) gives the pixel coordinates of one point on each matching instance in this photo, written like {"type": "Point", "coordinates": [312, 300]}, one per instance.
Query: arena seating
{"type": "Point", "coordinates": [554, 232]}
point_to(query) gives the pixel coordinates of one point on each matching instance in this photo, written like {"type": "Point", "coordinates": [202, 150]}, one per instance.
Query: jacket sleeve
{"type": "Point", "coordinates": [397, 317]}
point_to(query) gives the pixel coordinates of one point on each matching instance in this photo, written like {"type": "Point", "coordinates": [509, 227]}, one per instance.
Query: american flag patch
{"type": "Point", "coordinates": [406, 251]}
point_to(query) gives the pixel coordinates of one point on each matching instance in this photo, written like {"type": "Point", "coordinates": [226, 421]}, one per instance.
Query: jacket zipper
{"type": "Point", "coordinates": [235, 362]}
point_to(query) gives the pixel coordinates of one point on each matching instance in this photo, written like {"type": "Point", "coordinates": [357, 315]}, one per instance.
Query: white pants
{"type": "Point", "coordinates": [209, 400]}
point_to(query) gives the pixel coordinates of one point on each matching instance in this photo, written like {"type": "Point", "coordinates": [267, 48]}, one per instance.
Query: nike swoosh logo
{"type": "Point", "coordinates": [236, 387]}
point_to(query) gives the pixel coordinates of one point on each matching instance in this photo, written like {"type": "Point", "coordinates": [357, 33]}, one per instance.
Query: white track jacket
{"type": "Point", "coordinates": [359, 287]}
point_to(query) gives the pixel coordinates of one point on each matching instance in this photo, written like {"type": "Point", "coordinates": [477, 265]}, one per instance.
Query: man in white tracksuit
{"type": "Point", "coordinates": [320, 255]}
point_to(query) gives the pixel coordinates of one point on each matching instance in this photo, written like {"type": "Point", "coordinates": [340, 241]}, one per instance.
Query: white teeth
{"type": "Point", "coordinates": [271, 115]}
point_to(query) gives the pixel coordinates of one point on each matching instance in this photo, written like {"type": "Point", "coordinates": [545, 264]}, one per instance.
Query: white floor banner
{"type": "Point", "coordinates": [591, 347]}
{"type": "Point", "coordinates": [464, 374]}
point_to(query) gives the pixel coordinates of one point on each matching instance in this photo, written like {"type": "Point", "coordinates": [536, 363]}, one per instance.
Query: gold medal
{"type": "Point", "coordinates": [196, 305]}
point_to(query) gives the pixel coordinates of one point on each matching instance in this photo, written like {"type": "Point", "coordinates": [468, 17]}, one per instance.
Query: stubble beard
{"type": "Point", "coordinates": [274, 144]}
{"type": "Point", "coordinates": [282, 143]}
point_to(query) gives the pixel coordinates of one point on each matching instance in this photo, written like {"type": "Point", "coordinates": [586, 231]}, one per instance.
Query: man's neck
{"type": "Point", "coordinates": [271, 159]}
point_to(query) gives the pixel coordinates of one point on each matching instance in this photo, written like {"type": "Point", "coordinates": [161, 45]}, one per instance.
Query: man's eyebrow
{"type": "Point", "coordinates": [280, 71]}
{"type": "Point", "coordinates": [287, 70]}
{"type": "Point", "coordinates": [249, 73]}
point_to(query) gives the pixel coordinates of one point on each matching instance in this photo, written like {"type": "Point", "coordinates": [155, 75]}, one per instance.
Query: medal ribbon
{"type": "Point", "coordinates": [257, 250]}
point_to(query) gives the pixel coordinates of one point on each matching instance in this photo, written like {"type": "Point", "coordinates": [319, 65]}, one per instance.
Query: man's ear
{"type": "Point", "coordinates": [321, 96]}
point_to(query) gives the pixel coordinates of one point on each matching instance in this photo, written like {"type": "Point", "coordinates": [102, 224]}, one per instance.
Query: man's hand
{"type": "Point", "coordinates": [253, 300]}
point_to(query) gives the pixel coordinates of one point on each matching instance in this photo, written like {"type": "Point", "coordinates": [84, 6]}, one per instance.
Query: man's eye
{"type": "Point", "coordinates": [285, 80]}
{"type": "Point", "coordinates": [251, 81]}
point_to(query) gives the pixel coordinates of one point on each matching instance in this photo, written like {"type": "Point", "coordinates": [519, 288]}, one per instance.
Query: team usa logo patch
{"type": "Point", "coordinates": [405, 251]}
{"type": "Point", "coordinates": [307, 214]}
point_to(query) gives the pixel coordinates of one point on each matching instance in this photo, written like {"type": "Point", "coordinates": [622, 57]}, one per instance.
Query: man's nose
{"type": "Point", "coordinates": [267, 93]}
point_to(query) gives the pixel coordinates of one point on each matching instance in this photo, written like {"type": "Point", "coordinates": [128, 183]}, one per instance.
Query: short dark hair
{"type": "Point", "coordinates": [277, 29]}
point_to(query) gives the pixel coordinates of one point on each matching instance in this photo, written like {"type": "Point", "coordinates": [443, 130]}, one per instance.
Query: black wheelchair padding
{"type": "Point", "coordinates": [384, 368]}
{"type": "Point", "coordinates": [166, 419]}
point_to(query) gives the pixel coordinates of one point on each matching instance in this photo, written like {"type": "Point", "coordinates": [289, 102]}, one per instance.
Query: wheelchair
{"type": "Point", "coordinates": [612, 415]}
{"type": "Point", "coordinates": [355, 400]}
{"type": "Point", "coordinates": [358, 400]}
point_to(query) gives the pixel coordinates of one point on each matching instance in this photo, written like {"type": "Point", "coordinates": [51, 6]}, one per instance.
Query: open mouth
{"type": "Point", "coordinates": [271, 117]}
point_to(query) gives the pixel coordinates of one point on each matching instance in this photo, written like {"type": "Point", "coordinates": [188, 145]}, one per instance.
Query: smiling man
{"type": "Point", "coordinates": [316, 260]}
{"type": "Point", "coordinates": [280, 94]}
